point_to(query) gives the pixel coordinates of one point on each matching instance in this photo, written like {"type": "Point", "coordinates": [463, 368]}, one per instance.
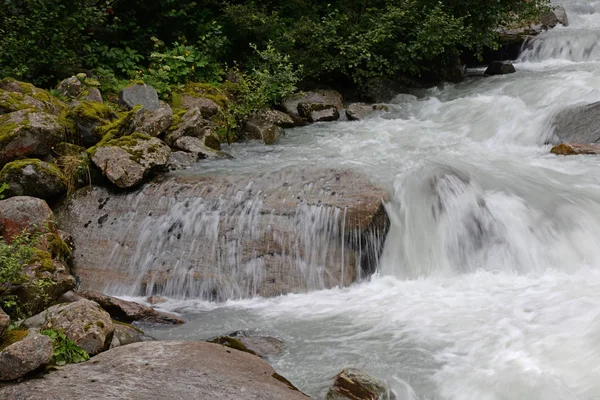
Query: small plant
{"type": "Point", "coordinates": [3, 188]}
{"type": "Point", "coordinates": [66, 351]}
{"type": "Point", "coordinates": [14, 256]}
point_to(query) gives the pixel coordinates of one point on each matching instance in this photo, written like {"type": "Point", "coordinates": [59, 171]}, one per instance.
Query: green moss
{"type": "Point", "coordinates": [126, 143]}
{"type": "Point", "coordinates": [57, 247]}
{"type": "Point", "coordinates": [119, 127]}
{"type": "Point", "coordinates": [233, 343]}
{"type": "Point", "coordinates": [204, 90]}
{"type": "Point", "coordinates": [12, 337]}
{"type": "Point", "coordinates": [44, 258]}
{"type": "Point", "coordinates": [138, 330]}
{"type": "Point", "coordinates": [100, 324]}
{"type": "Point", "coordinates": [52, 104]}
{"type": "Point", "coordinates": [90, 110]}
{"type": "Point", "coordinates": [87, 326]}
{"type": "Point", "coordinates": [10, 102]}
{"type": "Point", "coordinates": [178, 114]}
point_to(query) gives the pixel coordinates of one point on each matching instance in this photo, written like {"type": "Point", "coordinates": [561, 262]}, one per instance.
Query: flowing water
{"type": "Point", "coordinates": [489, 284]}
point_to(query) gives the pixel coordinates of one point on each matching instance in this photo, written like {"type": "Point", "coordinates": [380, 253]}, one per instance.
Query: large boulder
{"type": "Point", "coordinates": [263, 130]}
{"type": "Point", "coordinates": [129, 160]}
{"type": "Point", "coordinates": [154, 122]}
{"type": "Point", "coordinates": [166, 370]}
{"type": "Point", "coordinates": [221, 236]}
{"type": "Point", "coordinates": [329, 98]}
{"type": "Point", "coordinates": [500, 68]}
{"type": "Point", "coordinates": [4, 322]}
{"type": "Point", "coordinates": [87, 116]}
{"type": "Point", "coordinates": [24, 356]}
{"type": "Point", "coordinates": [32, 177]}
{"type": "Point", "coordinates": [577, 125]}
{"type": "Point", "coordinates": [193, 124]}
{"type": "Point", "coordinates": [26, 93]}
{"type": "Point", "coordinates": [84, 322]}
{"type": "Point", "coordinates": [139, 94]}
{"type": "Point", "coordinates": [318, 112]}
{"type": "Point", "coordinates": [129, 311]}
{"type": "Point", "coordinates": [25, 133]}
{"type": "Point", "coordinates": [354, 384]}
{"type": "Point", "coordinates": [556, 16]}
{"type": "Point", "coordinates": [22, 213]}
{"type": "Point", "coordinates": [275, 117]}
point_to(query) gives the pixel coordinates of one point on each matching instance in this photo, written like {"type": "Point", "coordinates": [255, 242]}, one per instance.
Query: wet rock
{"type": "Point", "coordinates": [139, 94]}
{"type": "Point", "coordinates": [128, 311]}
{"type": "Point", "coordinates": [359, 111]}
{"type": "Point", "coordinates": [70, 87]}
{"type": "Point", "coordinates": [500, 68]}
{"type": "Point", "coordinates": [192, 124]}
{"type": "Point", "coordinates": [28, 134]}
{"type": "Point", "coordinates": [127, 161]}
{"type": "Point", "coordinates": [571, 149]}
{"type": "Point", "coordinates": [354, 384]}
{"type": "Point", "coordinates": [24, 356]}
{"type": "Point", "coordinates": [87, 116]}
{"type": "Point", "coordinates": [161, 370]}
{"type": "Point", "coordinates": [275, 117]}
{"type": "Point", "coordinates": [182, 160]}
{"type": "Point", "coordinates": [32, 177]}
{"type": "Point", "coordinates": [262, 346]}
{"type": "Point", "coordinates": [311, 229]}
{"type": "Point", "coordinates": [39, 99]}
{"type": "Point", "coordinates": [4, 321]}
{"type": "Point", "coordinates": [126, 334]}
{"type": "Point", "coordinates": [577, 125]}
{"type": "Point", "coordinates": [207, 107]}
{"type": "Point", "coordinates": [315, 112]}
{"type": "Point", "coordinates": [557, 16]}
{"type": "Point", "coordinates": [22, 213]}
{"type": "Point", "coordinates": [154, 122]}
{"type": "Point", "coordinates": [84, 322]}
{"type": "Point", "coordinates": [156, 300]}
{"type": "Point", "coordinates": [262, 130]}
{"type": "Point", "coordinates": [329, 98]}
{"type": "Point", "coordinates": [198, 149]}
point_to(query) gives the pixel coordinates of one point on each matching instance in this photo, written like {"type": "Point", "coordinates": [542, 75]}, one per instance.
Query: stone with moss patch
{"type": "Point", "coordinates": [49, 103]}
{"type": "Point", "coordinates": [206, 91]}
{"type": "Point", "coordinates": [353, 384]}
{"type": "Point", "coordinates": [32, 177]}
{"type": "Point", "coordinates": [191, 123]}
{"type": "Point", "coordinates": [87, 116]}
{"type": "Point", "coordinates": [25, 133]}
{"type": "Point", "coordinates": [25, 355]}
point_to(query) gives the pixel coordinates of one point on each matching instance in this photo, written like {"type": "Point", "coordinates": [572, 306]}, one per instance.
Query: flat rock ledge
{"type": "Point", "coordinates": [163, 370]}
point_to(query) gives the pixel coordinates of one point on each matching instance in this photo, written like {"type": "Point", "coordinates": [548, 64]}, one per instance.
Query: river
{"type": "Point", "coordinates": [493, 295]}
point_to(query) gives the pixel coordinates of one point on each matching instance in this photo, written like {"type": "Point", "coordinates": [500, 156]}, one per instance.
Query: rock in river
{"type": "Point", "coordinates": [577, 125]}
{"type": "Point", "coordinates": [221, 236]}
{"type": "Point", "coordinates": [170, 370]}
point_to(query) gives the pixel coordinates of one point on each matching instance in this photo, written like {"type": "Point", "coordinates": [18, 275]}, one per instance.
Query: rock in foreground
{"type": "Point", "coordinates": [161, 370]}
{"type": "Point", "coordinates": [24, 356]}
{"type": "Point", "coordinates": [32, 177]}
{"type": "Point", "coordinates": [354, 384]}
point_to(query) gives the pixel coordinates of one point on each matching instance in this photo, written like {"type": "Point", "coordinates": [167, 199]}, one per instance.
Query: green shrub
{"type": "Point", "coordinates": [14, 256]}
{"type": "Point", "coordinates": [65, 350]}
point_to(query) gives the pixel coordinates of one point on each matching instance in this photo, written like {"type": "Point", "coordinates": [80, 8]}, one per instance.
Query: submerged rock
{"type": "Point", "coordinates": [500, 68]}
{"type": "Point", "coordinates": [139, 94]}
{"type": "Point", "coordinates": [129, 311]}
{"type": "Point", "coordinates": [24, 356]}
{"type": "Point", "coordinates": [84, 322]}
{"type": "Point", "coordinates": [354, 384]}
{"type": "Point", "coordinates": [162, 370]}
{"type": "Point", "coordinates": [32, 177]}
{"type": "Point", "coordinates": [26, 133]}
{"type": "Point", "coordinates": [577, 125]}
{"type": "Point", "coordinates": [235, 235]}
{"type": "Point", "coordinates": [571, 149]}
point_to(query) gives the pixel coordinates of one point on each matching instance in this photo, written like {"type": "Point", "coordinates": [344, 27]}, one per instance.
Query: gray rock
{"type": "Point", "coordinates": [34, 178]}
{"type": "Point", "coordinates": [199, 149]}
{"type": "Point", "coordinates": [500, 68]}
{"type": "Point", "coordinates": [94, 95]}
{"type": "Point", "coordinates": [330, 98]}
{"type": "Point", "coordinates": [27, 355]}
{"type": "Point", "coordinates": [126, 334]}
{"type": "Point", "coordinates": [139, 94]}
{"type": "Point", "coordinates": [129, 311]}
{"type": "Point", "coordinates": [154, 122]}
{"type": "Point", "coordinates": [84, 322]}
{"type": "Point", "coordinates": [359, 111]}
{"type": "Point", "coordinates": [207, 107]}
{"type": "Point", "coordinates": [192, 124]}
{"type": "Point", "coordinates": [168, 370]}
{"type": "Point", "coordinates": [288, 253]}
{"type": "Point", "coordinates": [182, 160]}
{"type": "Point", "coordinates": [23, 213]}
{"type": "Point", "coordinates": [70, 87]}
{"type": "Point", "coordinates": [30, 134]}
{"type": "Point", "coordinates": [4, 321]}
{"type": "Point", "coordinates": [577, 125]}
{"type": "Point", "coordinates": [354, 384]}
{"type": "Point", "coordinates": [87, 116]}
{"type": "Point", "coordinates": [557, 16]}
{"type": "Point", "coordinates": [316, 112]}
{"type": "Point", "coordinates": [268, 132]}
{"type": "Point", "coordinates": [262, 346]}
{"type": "Point", "coordinates": [275, 117]}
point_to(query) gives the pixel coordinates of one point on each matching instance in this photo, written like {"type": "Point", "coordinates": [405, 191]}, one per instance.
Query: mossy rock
{"type": "Point", "coordinates": [87, 116]}
{"type": "Point", "coordinates": [50, 103]}
{"type": "Point", "coordinates": [12, 337]}
{"type": "Point", "coordinates": [35, 178]}
{"type": "Point", "coordinates": [124, 125]}
{"type": "Point", "coordinates": [201, 90]}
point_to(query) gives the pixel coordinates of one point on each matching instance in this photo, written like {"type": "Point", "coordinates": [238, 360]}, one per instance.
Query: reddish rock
{"type": "Point", "coordinates": [572, 149]}
{"type": "Point", "coordinates": [23, 213]}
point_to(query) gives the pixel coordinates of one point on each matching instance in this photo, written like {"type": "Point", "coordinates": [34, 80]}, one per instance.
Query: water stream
{"type": "Point", "coordinates": [489, 285]}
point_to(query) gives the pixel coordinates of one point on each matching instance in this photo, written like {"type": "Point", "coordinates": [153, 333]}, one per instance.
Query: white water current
{"type": "Point", "coordinates": [489, 285]}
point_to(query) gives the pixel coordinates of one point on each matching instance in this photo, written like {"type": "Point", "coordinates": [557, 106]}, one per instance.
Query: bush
{"type": "Point", "coordinates": [66, 351]}
{"type": "Point", "coordinates": [14, 256]}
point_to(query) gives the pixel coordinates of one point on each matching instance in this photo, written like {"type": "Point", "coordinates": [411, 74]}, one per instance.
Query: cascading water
{"type": "Point", "coordinates": [489, 283]}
